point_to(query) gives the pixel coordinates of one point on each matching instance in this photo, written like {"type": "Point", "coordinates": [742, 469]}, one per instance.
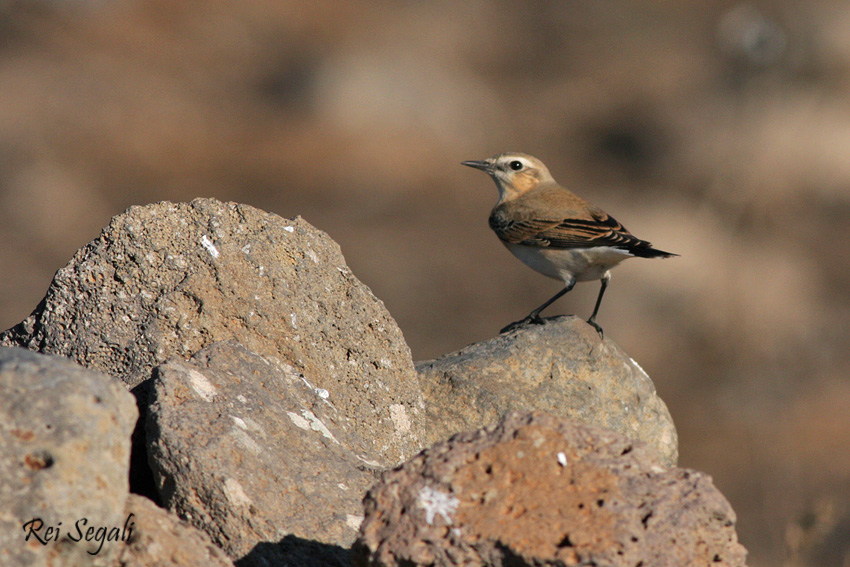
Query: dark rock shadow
{"type": "Point", "coordinates": [142, 479]}
{"type": "Point", "coordinates": [294, 551]}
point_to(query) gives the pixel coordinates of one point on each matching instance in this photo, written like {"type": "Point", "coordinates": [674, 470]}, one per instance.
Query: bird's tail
{"type": "Point", "coordinates": [650, 252]}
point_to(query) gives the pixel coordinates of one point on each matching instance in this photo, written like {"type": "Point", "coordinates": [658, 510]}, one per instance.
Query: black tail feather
{"type": "Point", "coordinates": [647, 251]}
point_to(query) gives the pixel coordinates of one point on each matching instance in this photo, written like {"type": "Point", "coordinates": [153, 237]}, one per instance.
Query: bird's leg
{"type": "Point", "coordinates": [592, 321]}
{"type": "Point", "coordinates": [534, 316]}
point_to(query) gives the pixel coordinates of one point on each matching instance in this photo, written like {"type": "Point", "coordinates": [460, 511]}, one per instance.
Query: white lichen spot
{"type": "Point", "coordinates": [242, 399]}
{"type": "Point", "coordinates": [317, 425]}
{"type": "Point", "coordinates": [313, 256]}
{"type": "Point", "coordinates": [368, 462]}
{"type": "Point", "coordinates": [400, 420]}
{"type": "Point", "coordinates": [289, 228]}
{"type": "Point", "coordinates": [308, 421]}
{"type": "Point", "coordinates": [298, 421]}
{"type": "Point", "coordinates": [245, 441]}
{"type": "Point", "coordinates": [353, 521]}
{"type": "Point", "coordinates": [235, 493]}
{"type": "Point", "coordinates": [435, 502]}
{"type": "Point", "coordinates": [201, 385]}
{"type": "Point", "coordinates": [562, 459]}
{"type": "Point", "coordinates": [293, 318]}
{"type": "Point", "coordinates": [341, 486]}
{"type": "Point", "coordinates": [247, 424]}
{"type": "Point", "coordinates": [385, 363]}
{"type": "Point", "coordinates": [209, 246]}
{"type": "Point", "coordinates": [262, 270]}
{"type": "Point", "coordinates": [246, 249]}
{"type": "Point", "coordinates": [322, 393]}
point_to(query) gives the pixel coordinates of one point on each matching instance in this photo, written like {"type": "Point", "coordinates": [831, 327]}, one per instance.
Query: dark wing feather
{"type": "Point", "coordinates": [600, 230]}
{"type": "Point", "coordinates": [519, 231]}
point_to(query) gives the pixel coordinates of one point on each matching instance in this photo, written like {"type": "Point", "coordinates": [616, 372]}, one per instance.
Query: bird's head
{"type": "Point", "coordinates": [514, 173]}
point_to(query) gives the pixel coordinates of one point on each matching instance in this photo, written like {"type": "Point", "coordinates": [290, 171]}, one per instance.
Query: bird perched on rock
{"type": "Point", "coordinates": [554, 231]}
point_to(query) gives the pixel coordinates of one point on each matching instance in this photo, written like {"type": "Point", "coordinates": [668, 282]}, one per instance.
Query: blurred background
{"type": "Point", "coordinates": [719, 130]}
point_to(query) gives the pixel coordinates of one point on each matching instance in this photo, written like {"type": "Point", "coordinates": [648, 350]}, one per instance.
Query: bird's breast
{"type": "Point", "coordinates": [579, 264]}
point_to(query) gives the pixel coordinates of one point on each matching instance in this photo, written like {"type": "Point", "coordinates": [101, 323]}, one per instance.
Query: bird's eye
{"type": "Point", "coordinates": [515, 165]}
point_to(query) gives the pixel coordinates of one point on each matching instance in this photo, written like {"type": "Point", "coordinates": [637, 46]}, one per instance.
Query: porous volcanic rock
{"type": "Point", "coordinates": [64, 460]}
{"type": "Point", "coordinates": [248, 450]}
{"type": "Point", "coordinates": [542, 490]}
{"type": "Point", "coordinates": [161, 539]}
{"type": "Point", "coordinates": [163, 281]}
{"type": "Point", "coordinates": [561, 367]}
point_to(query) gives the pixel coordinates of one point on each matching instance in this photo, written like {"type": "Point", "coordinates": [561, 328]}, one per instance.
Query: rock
{"type": "Point", "coordinates": [540, 490]}
{"type": "Point", "coordinates": [249, 451]}
{"type": "Point", "coordinates": [165, 280]}
{"type": "Point", "coordinates": [161, 539]}
{"type": "Point", "coordinates": [561, 367]}
{"type": "Point", "coordinates": [64, 460]}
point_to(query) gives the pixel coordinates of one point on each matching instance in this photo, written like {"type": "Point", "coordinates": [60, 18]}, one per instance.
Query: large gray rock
{"type": "Point", "coordinates": [562, 367]}
{"type": "Point", "coordinates": [248, 450]}
{"type": "Point", "coordinates": [161, 539]}
{"type": "Point", "coordinates": [64, 460]}
{"type": "Point", "coordinates": [537, 490]}
{"type": "Point", "coordinates": [165, 280]}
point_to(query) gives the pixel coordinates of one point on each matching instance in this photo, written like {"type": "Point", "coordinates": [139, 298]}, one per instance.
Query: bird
{"type": "Point", "coordinates": [554, 231]}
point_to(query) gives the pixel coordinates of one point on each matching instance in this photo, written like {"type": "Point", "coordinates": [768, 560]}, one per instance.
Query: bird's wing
{"type": "Point", "coordinates": [600, 229]}
{"type": "Point", "coordinates": [595, 228]}
{"type": "Point", "coordinates": [519, 231]}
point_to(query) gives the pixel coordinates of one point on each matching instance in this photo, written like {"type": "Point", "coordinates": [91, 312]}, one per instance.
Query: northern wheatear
{"type": "Point", "coordinates": [554, 231]}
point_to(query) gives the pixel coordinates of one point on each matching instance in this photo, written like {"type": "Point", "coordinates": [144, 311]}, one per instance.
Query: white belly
{"type": "Point", "coordinates": [579, 264]}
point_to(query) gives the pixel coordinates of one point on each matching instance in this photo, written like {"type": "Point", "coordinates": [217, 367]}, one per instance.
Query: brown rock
{"type": "Point", "coordinates": [165, 280]}
{"type": "Point", "coordinates": [249, 451]}
{"type": "Point", "coordinates": [561, 367]}
{"type": "Point", "coordinates": [64, 460]}
{"type": "Point", "coordinates": [539, 490]}
{"type": "Point", "coordinates": [161, 539]}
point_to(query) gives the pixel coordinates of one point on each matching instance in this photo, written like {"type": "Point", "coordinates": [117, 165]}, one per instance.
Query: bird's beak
{"type": "Point", "coordinates": [482, 165]}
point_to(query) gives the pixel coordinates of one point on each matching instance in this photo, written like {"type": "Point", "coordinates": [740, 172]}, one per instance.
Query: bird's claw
{"type": "Point", "coordinates": [596, 326]}
{"type": "Point", "coordinates": [530, 320]}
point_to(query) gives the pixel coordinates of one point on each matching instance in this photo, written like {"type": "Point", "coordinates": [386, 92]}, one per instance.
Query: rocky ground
{"type": "Point", "coordinates": [717, 130]}
{"type": "Point", "coordinates": [233, 394]}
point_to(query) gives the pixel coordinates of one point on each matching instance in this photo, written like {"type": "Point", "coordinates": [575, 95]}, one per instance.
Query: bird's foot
{"type": "Point", "coordinates": [596, 326]}
{"type": "Point", "coordinates": [530, 320]}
